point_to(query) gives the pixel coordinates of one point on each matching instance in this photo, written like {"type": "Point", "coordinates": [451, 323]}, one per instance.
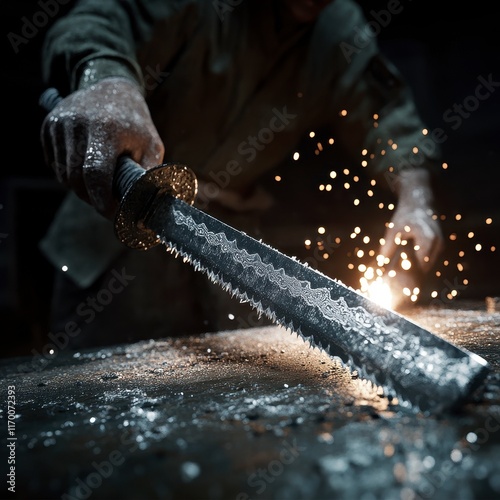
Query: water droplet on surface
{"type": "Point", "coordinates": [471, 437]}
{"type": "Point", "coordinates": [190, 471]}
{"type": "Point", "coordinates": [456, 455]}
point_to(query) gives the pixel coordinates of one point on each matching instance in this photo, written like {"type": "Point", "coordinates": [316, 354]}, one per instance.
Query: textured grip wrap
{"type": "Point", "coordinates": [126, 174]}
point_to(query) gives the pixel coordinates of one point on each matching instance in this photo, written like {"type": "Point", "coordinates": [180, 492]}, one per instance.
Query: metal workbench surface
{"type": "Point", "coordinates": [245, 414]}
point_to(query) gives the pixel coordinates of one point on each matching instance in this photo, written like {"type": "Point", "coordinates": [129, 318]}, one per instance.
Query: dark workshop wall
{"type": "Point", "coordinates": [443, 55]}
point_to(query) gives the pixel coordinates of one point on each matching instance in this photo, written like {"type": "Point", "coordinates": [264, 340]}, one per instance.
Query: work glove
{"type": "Point", "coordinates": [86, 133]}
{"type": "Point", "coordinates": [414, 222]}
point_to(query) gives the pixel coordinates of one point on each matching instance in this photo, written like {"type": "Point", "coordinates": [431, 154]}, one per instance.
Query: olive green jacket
{"type": "Point", "coordinates": [232, 87]}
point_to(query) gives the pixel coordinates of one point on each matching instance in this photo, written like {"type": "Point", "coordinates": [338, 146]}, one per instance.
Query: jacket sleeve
{"type": "Point", "coordinates": [377, 117]}
{"type": "Point", "coordinates": [369, 104]}
{"type": "Point", "coordinates": [103, 38]}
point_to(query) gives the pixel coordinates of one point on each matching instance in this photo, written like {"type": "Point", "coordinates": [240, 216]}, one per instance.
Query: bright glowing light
{"type": "Point", "coordinates": [380, 292]}
{"type": "Point", "coordinates": [406, 264]}
{"type": "Point", "coordinates": [369, 273]}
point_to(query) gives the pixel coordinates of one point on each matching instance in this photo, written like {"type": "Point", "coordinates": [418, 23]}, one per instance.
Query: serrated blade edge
{"type": "Point", "coordinates": [418, 367]}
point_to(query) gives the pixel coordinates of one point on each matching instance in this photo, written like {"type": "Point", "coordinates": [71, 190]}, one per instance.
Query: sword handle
{"type": "Point", "coordinates": [137, 188]}
{"type": "Point", "coordinates": [127, 173]}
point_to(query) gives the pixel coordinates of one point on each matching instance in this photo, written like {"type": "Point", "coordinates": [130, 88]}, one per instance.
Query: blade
{"type": "Point", "coordinates": [424, 371]}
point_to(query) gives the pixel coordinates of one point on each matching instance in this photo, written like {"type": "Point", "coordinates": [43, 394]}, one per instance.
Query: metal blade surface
{"type": "Point", "coordinates": [424, 371]}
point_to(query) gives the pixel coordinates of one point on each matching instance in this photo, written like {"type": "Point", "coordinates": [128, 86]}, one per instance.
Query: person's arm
{"type": "Point", "coordinates": [91, 57]}
{"type": "Point", "coordinates": [403, 158]}
{"type": "Point", "coordinates": [382, 120]}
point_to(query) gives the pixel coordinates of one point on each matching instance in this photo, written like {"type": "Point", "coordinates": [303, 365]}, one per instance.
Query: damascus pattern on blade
{"type": "Point", "coordinates": [335, 310]}
{"type": "Point", "coordinates": [421, 369]}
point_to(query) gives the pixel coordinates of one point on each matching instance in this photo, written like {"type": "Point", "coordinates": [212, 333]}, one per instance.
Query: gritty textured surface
{"type": "Point", "coordinates": [248, 414]}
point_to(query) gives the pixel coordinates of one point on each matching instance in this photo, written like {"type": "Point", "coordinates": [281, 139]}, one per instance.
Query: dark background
{"type": "Point", "coordinates": [441, 53]}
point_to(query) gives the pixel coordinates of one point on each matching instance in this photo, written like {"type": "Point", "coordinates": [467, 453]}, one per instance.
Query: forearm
{"type": "Point", "coordinates": [99, 39]}
{"type": "Point", "coordinates": [382, 128]}
{"type": "Point", "coordinates": [414, 185]}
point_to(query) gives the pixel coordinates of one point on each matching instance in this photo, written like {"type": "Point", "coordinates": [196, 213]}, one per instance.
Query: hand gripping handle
{"type": "Point", "coordinates": [136, 189]}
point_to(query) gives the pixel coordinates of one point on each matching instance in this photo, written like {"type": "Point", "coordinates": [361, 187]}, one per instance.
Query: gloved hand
{"type": "Point", "coordinates": [83, 136]}
{"type": "Point", "coordinates": [412, 221]}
